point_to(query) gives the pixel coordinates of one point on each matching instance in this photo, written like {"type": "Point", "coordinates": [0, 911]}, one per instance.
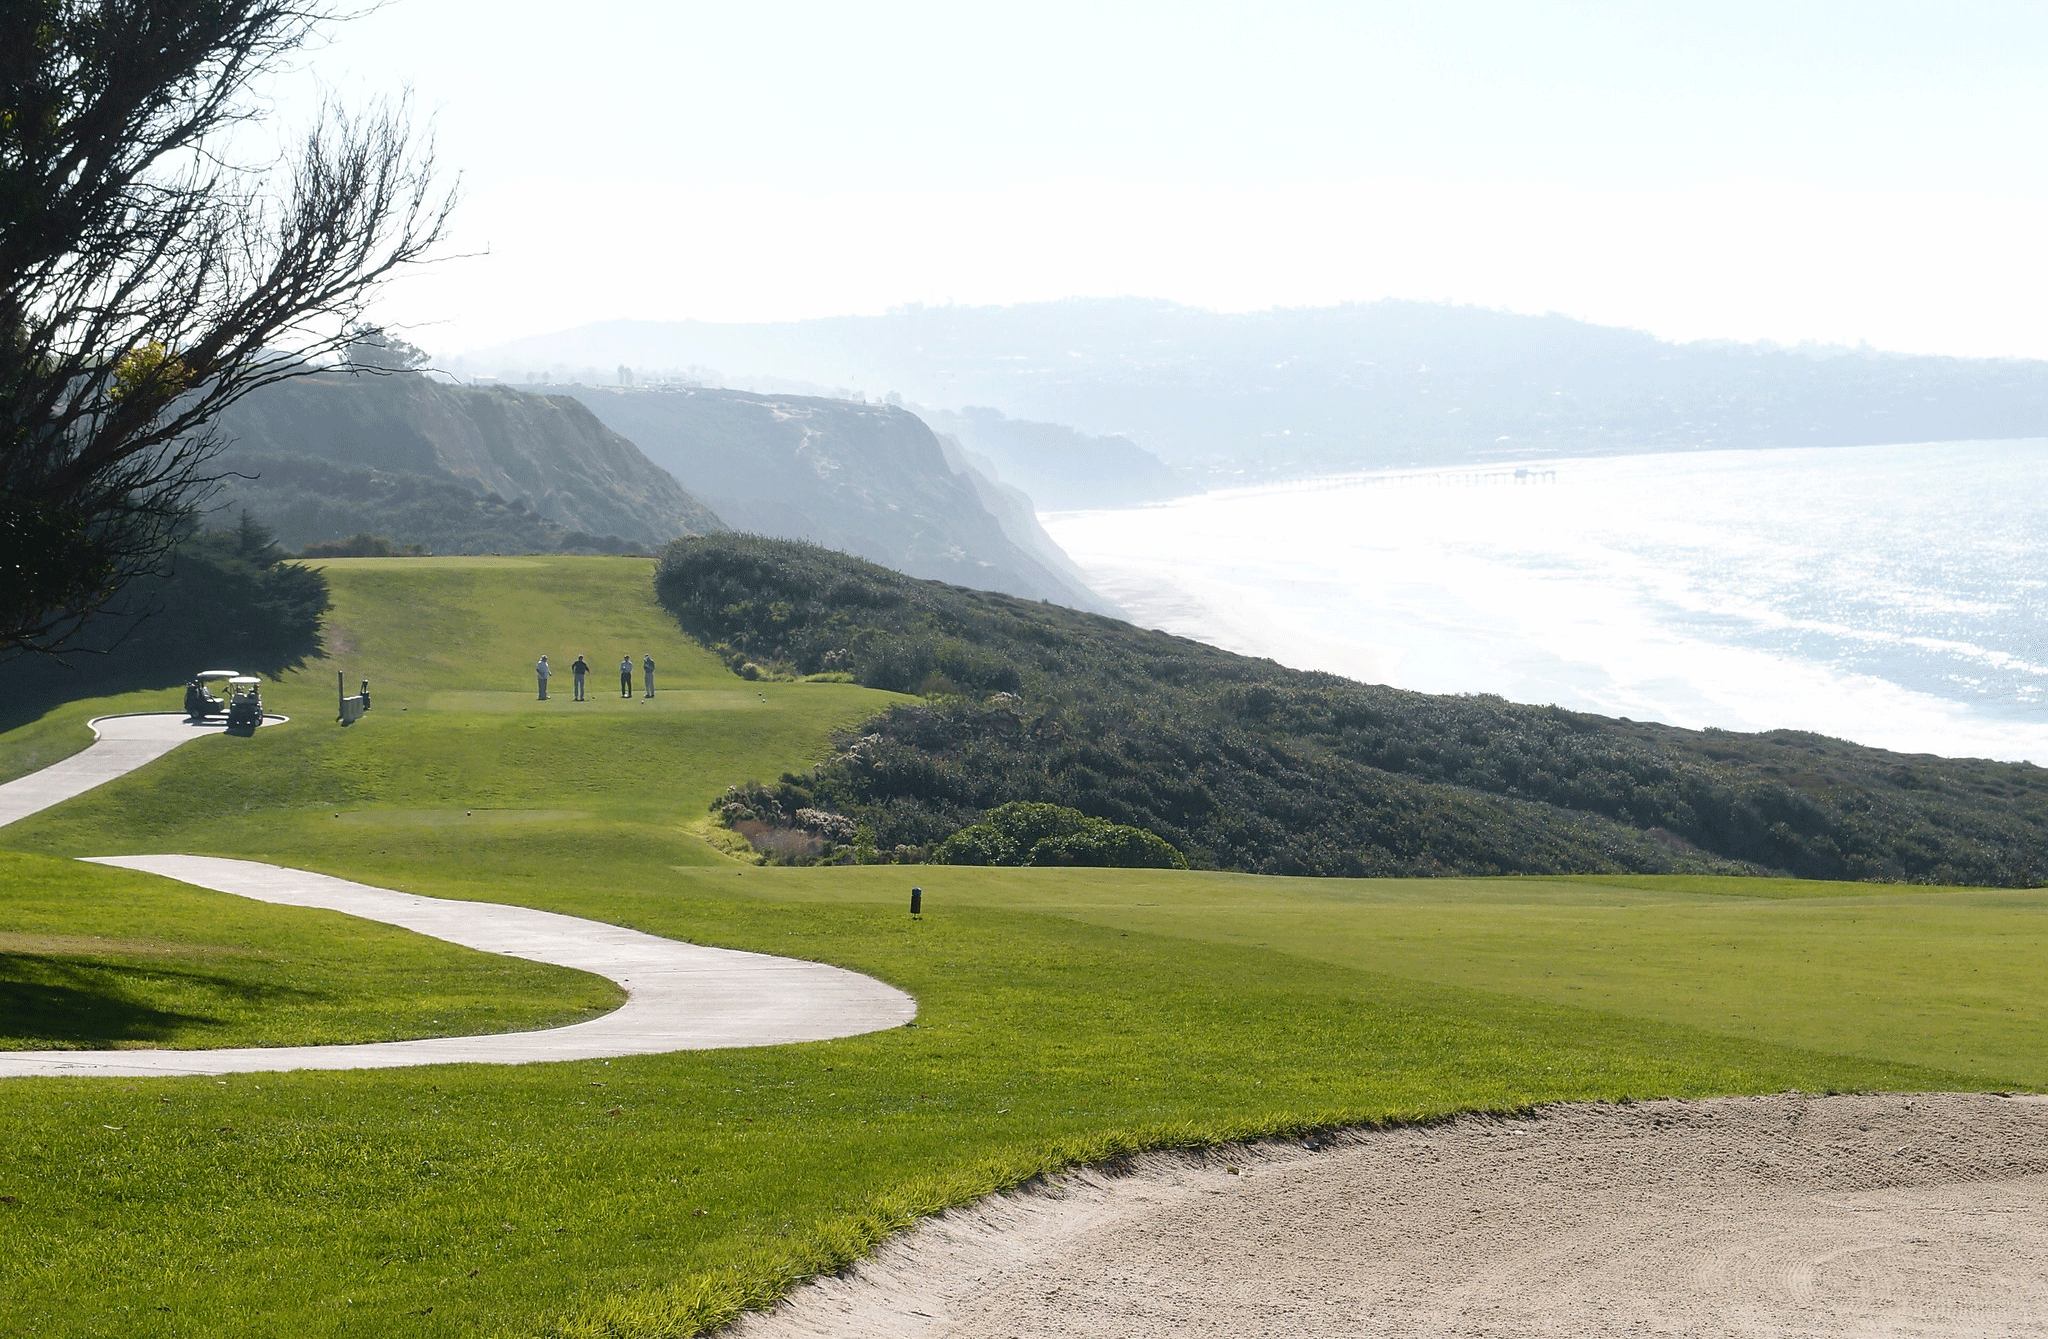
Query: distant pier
{"type": "Point", "coordinates": [1475, 478]}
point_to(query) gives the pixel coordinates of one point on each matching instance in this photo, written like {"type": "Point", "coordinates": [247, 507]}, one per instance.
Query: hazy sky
{"type": "Point", "coordinates": [1838, 172]}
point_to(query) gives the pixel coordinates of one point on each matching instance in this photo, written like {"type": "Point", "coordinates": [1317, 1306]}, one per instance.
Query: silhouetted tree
{"type": "Point", "coordinates": [375, 349]}
{"type": "Point", "coordinates": [149, 278]}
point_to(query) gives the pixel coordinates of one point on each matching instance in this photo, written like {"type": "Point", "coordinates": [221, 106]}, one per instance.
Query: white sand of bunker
{"type": "Point", "coordinates": [1785, 1216]}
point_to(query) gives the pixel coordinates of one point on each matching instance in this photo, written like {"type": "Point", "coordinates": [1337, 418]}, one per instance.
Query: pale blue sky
{"type": "Point", "coordinates": [1828, 171]}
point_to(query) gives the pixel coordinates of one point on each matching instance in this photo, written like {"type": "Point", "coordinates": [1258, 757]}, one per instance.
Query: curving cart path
{"type": "Point", "coordinates": [123, 744]}
{"type": "Point", "coordinates": [678, 996]}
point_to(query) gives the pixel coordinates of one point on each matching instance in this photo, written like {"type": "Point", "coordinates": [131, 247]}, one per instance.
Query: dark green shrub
{"type": "Point", "coordinates": [364, 545]}
{"type": "Point", "coordinates": [1026, 824]}
{"type": "Point", "coordinates": [1244, 764]}
{"type": "Point", "coordinates": [976, 844]}
{"type": "Point", "coordinates": [1110, 846]}
{"type": "Point", "coordinates": [1024, 833]}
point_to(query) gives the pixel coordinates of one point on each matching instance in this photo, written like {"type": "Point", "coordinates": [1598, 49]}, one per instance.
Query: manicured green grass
{"type": "Point", "coordinates": [97, 958]}
{"type": "Point", "coordinates": [1063, 1015]}
{"type": "Point", "coordinates": [1951, 978]}
{"type": "Point", "coordinates": [337, 1203]}
{"type": "Point", "coordinates": [456, 729]}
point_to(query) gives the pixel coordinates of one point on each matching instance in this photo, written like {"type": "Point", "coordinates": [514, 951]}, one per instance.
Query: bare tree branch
{"type": "Point", "coordinates": [147, 283]}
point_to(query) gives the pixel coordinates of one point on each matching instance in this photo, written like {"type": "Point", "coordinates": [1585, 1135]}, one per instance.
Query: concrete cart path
{"type": "Point", "coordinates": [124, 744]}
{"type": "Point", "coordinates": [680, 997]}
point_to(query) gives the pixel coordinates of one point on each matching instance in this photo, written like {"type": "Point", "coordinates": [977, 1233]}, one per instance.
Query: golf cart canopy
{"type": "Point", "coordinates": [245, 680]}
{"type": "Point", "coordinates": [218, 674]}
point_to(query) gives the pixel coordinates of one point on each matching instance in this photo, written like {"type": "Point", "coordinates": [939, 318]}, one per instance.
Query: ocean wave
{"type": "Point", "coordinates": [1887, 594]}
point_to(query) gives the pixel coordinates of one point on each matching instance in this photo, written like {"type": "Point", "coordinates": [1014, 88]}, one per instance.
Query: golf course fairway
{"type": "Point", "coordinates": [1064, 1016]}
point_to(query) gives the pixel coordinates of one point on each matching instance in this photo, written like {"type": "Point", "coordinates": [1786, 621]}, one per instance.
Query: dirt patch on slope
{"type": "Point", "coordinates": [1898, 1215]}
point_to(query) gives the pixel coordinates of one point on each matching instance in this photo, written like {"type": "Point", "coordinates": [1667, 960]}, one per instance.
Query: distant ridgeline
{"type": "Point", "coordinates": [400, 455]}
{"type": "Point", "coordinates": [1242, 764]}
{"type": "Point", "coordinates": [1363, 386]}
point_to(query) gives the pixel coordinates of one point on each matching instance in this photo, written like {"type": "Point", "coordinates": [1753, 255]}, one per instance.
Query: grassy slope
{"type": "Point", "coordinates": [107, 958]}
{"type": "Point", "coordinates": [54, 734]}
{"type": "Point", "coordinates": [1063, 1014]}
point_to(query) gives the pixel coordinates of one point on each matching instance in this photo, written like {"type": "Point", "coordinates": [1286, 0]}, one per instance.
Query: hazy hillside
{"type": "Point", "coordinates": [1059, 468]}
{"type": "Point", "coordinates": [456, 468]}
{"type": "Point", "coordinates": [870, 479]}
{"type": "Point", "coordinates": [1378, 384]}
{"type": "Point", "coordinates": [1014, 510]}
{"type": "Point", "coordinates": [308, 501]}
{"type": "Point", "coordinates": [1245, 764]}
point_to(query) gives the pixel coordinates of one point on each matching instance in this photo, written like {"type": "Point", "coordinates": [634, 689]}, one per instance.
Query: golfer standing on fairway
{"type": "Point", "coordinates": [625, 676]}
{"type": "Point", "coordinates": [647, 667]}
{"type": "Point", "coordinates": [579, 669]}
{"type": "Point", "coordinates": [543, 671]}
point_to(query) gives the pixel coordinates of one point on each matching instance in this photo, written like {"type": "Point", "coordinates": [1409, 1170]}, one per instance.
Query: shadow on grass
{"type": "Point", "coordinates": [54, 1002]}
{"type": "Point", "coordinates": [29, 689]}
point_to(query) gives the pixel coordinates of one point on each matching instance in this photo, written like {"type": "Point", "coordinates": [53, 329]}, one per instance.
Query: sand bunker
{"type": "Point", "coordinates": [1910, 1215]}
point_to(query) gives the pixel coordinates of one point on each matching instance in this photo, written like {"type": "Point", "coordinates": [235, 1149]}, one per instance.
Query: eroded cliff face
{"type": "Point", "coordinates": [870, 480]}
{"type": "Point", "coordinates": [399, 434]}
{"type": "Point", "coordinates": [1059, 468]}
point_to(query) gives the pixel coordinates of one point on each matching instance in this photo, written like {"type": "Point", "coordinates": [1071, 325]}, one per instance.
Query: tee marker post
{"type": "Point", "coordinates": [917, 903]}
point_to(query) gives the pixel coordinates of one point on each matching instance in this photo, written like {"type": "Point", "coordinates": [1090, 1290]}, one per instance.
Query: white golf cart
{"type": "Point", "coordinates": [200, 704]}
{"type": "Point", "coordinates": [245, 704]}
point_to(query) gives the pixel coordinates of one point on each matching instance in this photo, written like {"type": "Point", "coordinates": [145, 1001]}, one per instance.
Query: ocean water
{"type": "Point", "coordinates": [1894, 595]}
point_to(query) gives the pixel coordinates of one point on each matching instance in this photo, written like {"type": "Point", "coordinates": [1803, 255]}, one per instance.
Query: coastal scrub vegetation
{"type": "Point", "coordinates": [306, 497]}
{"type": "Point", "coordinates": [1243, 764]}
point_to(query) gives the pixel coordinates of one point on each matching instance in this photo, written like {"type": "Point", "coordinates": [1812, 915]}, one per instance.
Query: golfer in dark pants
{"type": "Point", "coordinates": [626, 676]}
{"type": "Point", "coordinates": [579, 669]}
